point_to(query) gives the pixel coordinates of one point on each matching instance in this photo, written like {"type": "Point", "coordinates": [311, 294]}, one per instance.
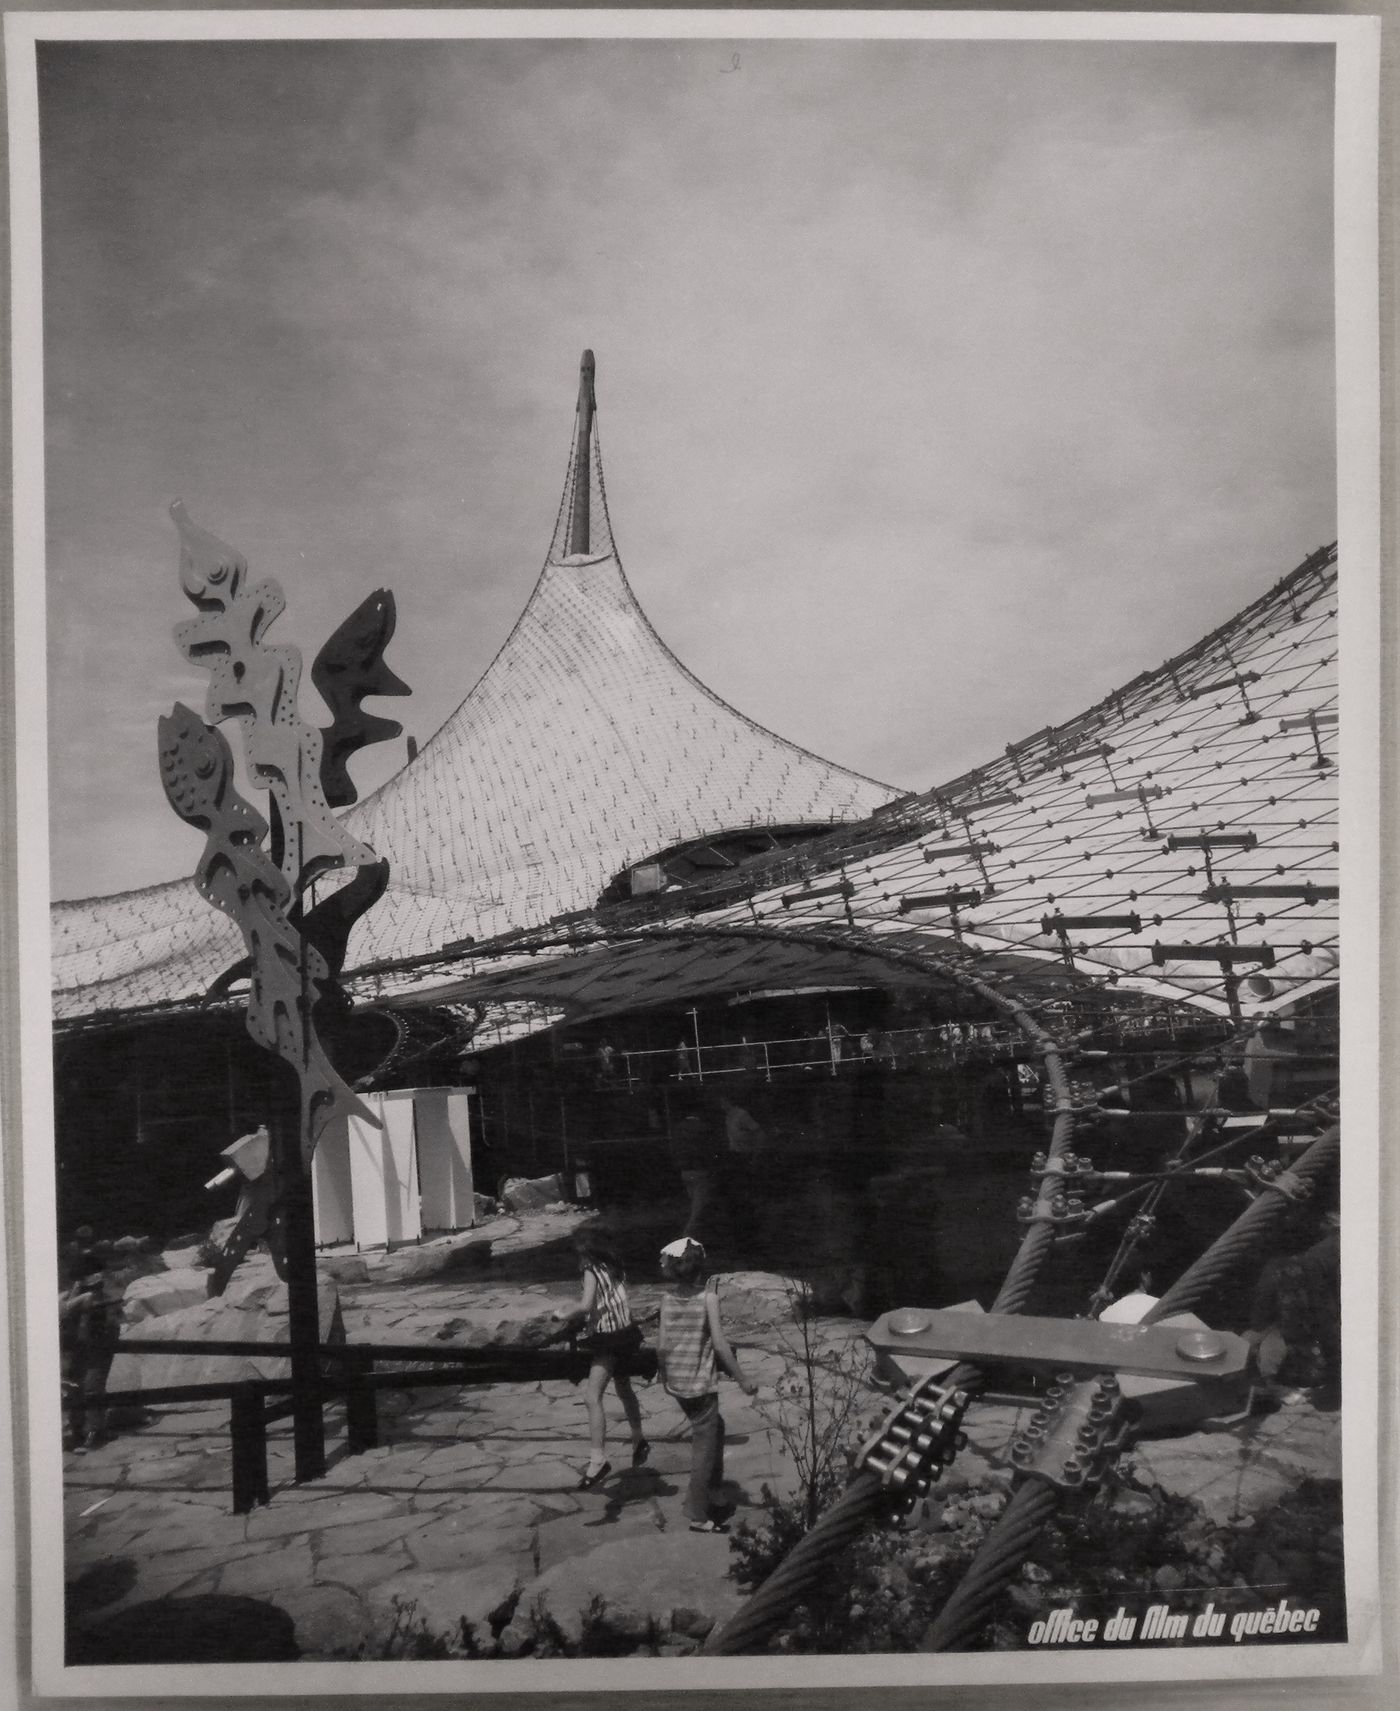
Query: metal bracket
{"type": "Point", "coordinates": [1081, 1347]}
{"type": "Point", "coordinates": [916, 1440]}
{"type": "Point", "coordinates": [1073, 1439]}
{"type": "Point", "coordinates": [1275, 1175]}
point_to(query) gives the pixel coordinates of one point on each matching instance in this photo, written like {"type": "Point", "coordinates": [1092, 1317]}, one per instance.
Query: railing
{"type": "Point", "coordinates": [839, 1049]}
{"type": "Point", "coordinates": [348, 1371]}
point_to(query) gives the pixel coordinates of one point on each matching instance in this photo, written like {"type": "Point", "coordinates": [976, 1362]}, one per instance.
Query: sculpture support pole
{"type": "Point", "coordinates": [303, 1311]}
{"type": "Point", "coordinates": [303, 1304]}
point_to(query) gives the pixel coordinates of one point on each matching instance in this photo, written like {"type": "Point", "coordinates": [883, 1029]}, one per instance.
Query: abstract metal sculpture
{"type": "Point", "coordinates": [294, 957]}
{"type": "Point", "coordinates": [235, 875]}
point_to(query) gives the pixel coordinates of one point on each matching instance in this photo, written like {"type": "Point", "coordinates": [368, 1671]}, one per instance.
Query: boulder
{"type": "Point", "coordinates": [442, 1258]}
{"type": "Point", "coordinates": [184, 1255]}
{"type": "Point", "coordinates": [531, 1194]}
{"type": "Point", "coordinates": [343, 1268]}
{"type": "Point", "coordinates": [627, 1584]}
{"type": "Point", "coordinates": [133, 1245]}
{"type": "Point", "coordinates": [163, 1292]}
{"type": "Point", "coordinates": [250, 1310]}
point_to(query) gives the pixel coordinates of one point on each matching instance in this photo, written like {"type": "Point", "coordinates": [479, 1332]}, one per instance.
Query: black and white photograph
{"type": "Point", "coordinates": [686, 842]}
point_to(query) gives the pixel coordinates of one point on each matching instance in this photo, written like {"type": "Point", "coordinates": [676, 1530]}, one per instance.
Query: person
{"type": "Point", "coordinates": [745, 1143]}
{"type": "Point", "coordinates": [1295, 1317]}
{"type": "Point", "coordinates": [88, 1332]}
{"type": "Point", "coordinates": [611, 1338]}
{"type": "Point", "coordinates": [695, 1152]}
{"type": "Point", "coordinates": [691, 1342]}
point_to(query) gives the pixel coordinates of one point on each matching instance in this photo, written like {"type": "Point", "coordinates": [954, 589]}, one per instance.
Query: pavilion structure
{"type": "Point", "coordinates": [1177, 841]}
{"type": "Point", "coordinates": [586, 756]}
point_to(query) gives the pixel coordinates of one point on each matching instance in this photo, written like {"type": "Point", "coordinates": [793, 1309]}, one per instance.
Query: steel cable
{"type": "Point", "coordinates": [996, 1564]}
{"type": "Point", "coordinates": [1229, 1250]}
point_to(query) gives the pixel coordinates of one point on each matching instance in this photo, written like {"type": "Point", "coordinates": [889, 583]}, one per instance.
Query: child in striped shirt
{"type": "Point", "coordinates": [691, 1341]}
{"type": "Point", "coordinates": [611, 1338]}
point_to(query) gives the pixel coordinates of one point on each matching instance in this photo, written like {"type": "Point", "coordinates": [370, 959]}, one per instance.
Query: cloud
{"type": "Point", "coordinates": [962, 380]}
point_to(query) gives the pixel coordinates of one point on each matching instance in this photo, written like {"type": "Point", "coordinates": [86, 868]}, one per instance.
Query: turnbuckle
{"type": "Point", "coordinates": [915, 1441]}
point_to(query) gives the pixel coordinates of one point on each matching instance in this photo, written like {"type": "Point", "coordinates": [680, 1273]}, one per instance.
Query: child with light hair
{"type": "Point", "coordinates": [690, 1347]}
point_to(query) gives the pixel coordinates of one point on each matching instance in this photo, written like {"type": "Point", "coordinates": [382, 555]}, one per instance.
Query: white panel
{"type": "Point", "coordinates": [331, 1194]}
{"type": "Point", "coordinates": [402, 1219]}
{"type": "Point", "coordinates": [366, 1147]}
{"type": "Point", "coordinates": [443, 1127]}
{"type": "Point", "coordinates": [459, 1124]}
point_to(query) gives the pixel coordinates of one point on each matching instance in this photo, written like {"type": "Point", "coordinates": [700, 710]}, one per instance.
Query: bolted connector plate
{"type": "Point", "coordinates": [1080, 1347]}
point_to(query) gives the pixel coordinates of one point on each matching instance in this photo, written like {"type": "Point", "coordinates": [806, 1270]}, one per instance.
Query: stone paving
{"type": "Point", "coordinates": [469, 1508]}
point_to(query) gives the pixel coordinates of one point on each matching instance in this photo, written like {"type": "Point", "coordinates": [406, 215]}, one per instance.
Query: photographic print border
{"type": "Point", "coordinates": [1361, 630]}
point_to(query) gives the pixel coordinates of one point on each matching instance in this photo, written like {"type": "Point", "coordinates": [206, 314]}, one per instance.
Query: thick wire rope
{"type": "Point", "coordinates": [1260, 1219]}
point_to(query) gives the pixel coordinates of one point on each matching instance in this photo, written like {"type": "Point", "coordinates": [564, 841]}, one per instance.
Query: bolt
{"type": "Point", "coordinates": [908, 1322]}
{"type": "Point", "coordinates": [1200, 1345]}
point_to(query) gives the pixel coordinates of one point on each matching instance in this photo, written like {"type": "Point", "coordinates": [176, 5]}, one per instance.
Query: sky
{"type": "Point", "coordinates": [942, 386]}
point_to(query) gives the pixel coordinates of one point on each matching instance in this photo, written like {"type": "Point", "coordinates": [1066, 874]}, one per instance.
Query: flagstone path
{"type": "Point", "coordinates": [469, 1509]}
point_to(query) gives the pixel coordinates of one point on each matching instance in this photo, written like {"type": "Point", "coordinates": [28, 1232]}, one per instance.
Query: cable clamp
{"type": "Point", "coordinates": [1272, 1174]}
{"type": "Point", "coordinates": [1075, 1436]}
{"type": "Point", "coordinates": [916, 1440]}
{"type": "Point", "coordinates": [1062, 1211]}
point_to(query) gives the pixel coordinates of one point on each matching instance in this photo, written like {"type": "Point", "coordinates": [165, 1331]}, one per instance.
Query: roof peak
{"type": "Point", "coordinates": [582, 529]}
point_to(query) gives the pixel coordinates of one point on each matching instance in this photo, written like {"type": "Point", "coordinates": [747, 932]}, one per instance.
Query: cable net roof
{"type": "Point", "coordinates": [585, 748]}
{"type": "Point", "coordinates": [1178, 840]}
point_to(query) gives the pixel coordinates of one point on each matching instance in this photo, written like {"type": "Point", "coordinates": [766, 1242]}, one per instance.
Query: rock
{"type": "Point", "coordinates": [635, 1581]}
{"type": "Point", "coordinates": [328, 1620]}
{"type": "Point", "coordinates": [1133, 1505]}
{"type": "Point", "coordinates": [186, 1256]}
{"type": "Point", "coordinates": [837, 1289]}
{"type": "Point", "coordinates": [486, 1207]}
{"type": "Point", "coordinates": [133, 1245]}
{"type": "Point", "coordinates": [1026, 1601]}
{"type": "Point", "coordinates": [163, 1292]}
{"type": "Point", "coordinates": [696, 1623]}
{"type": "Point", "coordinates": [343, 1268]}
{"type": "Point", "coordinates": [249, 1312]}
{"type": "Point", "coordinates": [444, 1601]}
{"type": "Point", "coordinates": [514, 1640]}
{"type": "Point", "coordinates": [441, 1258]}
{"type": "Point", "coordinates": [531, 1194]}
{"type": "Point", "coordinates": [191, 1239]}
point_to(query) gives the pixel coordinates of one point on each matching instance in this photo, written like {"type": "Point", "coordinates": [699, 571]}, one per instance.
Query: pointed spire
{"type": "Point", "coordinates": [579, 519]}
{"type": "Point", "coordinates": [582, 529]}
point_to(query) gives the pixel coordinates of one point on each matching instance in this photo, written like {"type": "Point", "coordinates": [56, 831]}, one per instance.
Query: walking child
{"type": "Point", "coordinates": [611, 1339]}
{"type": "Point", "coordinates": [691, 1342]}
